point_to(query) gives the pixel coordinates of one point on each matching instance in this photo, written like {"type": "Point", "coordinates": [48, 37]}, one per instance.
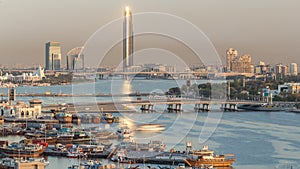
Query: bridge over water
{"type": "Point", "coordinates": [173, 105]}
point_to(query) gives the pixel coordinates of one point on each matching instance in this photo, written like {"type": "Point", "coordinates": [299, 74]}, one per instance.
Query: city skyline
{"type": "Point", "coordinates": [265, 30]}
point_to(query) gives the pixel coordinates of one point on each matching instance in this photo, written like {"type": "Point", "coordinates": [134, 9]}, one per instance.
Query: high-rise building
{"type": "Point", "coordinates": [293, 69]}
{"type": "Point", "coordinates": [231, 55]}
{"type": "Point", "coordinates": [75, 59]}
{"type": "Point", "coordinates": [53, 56]}
{"type": "Point", "coordinates": [281, 70]}
{"type": "Point", "coordinates": [127, 39]}
{"type": "Point", "coordinates": [242, 64]}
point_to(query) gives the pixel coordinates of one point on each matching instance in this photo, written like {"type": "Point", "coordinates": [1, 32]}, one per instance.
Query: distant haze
{"type": "Point", "coordinates": [268, 30]}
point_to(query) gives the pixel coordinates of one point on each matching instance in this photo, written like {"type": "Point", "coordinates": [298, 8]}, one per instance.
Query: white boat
{"type": "Point", "coordinates": [150, 127]}
{"type": "Point", "coordinates": [42, 160]}
{"type": "Point", "coordinates": [124, 132]}
{"type": "Point", "coordinates": [265, 107]}
{"type": "Point", "coordinates": [75, 152]}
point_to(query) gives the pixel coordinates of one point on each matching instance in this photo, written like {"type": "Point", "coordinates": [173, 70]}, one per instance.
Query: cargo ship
{"type": "Point", "coordinates": [206, 158]}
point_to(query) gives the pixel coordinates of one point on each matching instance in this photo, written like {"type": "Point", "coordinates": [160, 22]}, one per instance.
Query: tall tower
{"type": "Point", "coordinates": [53, 56]}
{"type": "Point", "coordinates": [127, 39]}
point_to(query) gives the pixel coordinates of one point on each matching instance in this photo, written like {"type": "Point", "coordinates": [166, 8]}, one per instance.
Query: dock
{"type": "Point", "coordinates": [164, 158]}
{"type": "Point", "coordinates": [51, 152]}
{"type": "Point", "coordinates": [24, 120]}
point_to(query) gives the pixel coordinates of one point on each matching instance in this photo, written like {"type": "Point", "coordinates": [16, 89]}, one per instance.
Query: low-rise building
{"type": "Point", "coordinates": [36, 76]}
{"type": "Point", "coordinates": [22, 110]}
{"type": "Point", "coordinates": [289, 88]}
{"type": "Point", "coordinates": [242, 64]}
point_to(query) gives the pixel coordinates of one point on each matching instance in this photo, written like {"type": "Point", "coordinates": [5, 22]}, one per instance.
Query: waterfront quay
{"type": "Point", "coordinates": [76, 95]}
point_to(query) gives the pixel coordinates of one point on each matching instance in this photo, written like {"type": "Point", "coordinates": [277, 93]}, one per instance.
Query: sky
{"type": "Point", "coordinates": [268, 30]}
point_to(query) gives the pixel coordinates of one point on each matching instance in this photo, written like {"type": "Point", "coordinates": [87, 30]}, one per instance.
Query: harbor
{"type": "Point", "coordinates": [134, 126]}
{"type": "Point", "coordinates": [149, 84]}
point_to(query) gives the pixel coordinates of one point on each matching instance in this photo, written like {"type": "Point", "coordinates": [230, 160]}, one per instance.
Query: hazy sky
{"type": "Point", "coordinates": [268, 30]}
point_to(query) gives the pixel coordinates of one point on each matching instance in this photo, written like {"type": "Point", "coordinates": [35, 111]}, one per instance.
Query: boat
{"type": "Point", "coordinates": [23, 150]}
{"type": "Point", "coordinates": [81, 137]}
{"type": "Point", "coordinates": [39, 137]}
{"type": "Point", "coordinates": [91, 164]}
{"type": "Point", "coordinates": [94, 150]}
{"type": "Point", "coordinates": [109, 118]}
{"type": "Point", "coordinates": [128, 152]}
{"type": "Point", "coordinates": [265, 107]}
{"type": "Point", "coordinates": [1, 119]}
{"type": "Point", "coordinates": [206, 158]}
{"type": "Point", "coordinates": [150, 127]}
{"type": "Point", "coordinates": [65, 137]}
{"type": "Point", "coordinates": [124, 132]}
{"type": "Point", "coordinates": [42, 160]}
{"type": "Point", "coordinates": [75, 152]}
{"type": "Point", "coordinates": [64, 117]}
{"type": "Point", "coordinates": [121, 157]}
{"type": "Point", "coordinates": [104, 135]}
{"type": "Point", "coordinates": [293, 110]}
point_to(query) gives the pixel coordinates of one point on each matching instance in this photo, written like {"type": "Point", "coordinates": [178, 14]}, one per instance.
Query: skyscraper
{"type": "Point", "coordinates": [293, 69]}
{"type": "Point", "coordinates": [53, 56]}
{"type": "Point", "coordinates": [75, 59]}
{"type": "Point", "coordinates": [231, 55]}
{"type": "Point", "coordinates": [127, 39]}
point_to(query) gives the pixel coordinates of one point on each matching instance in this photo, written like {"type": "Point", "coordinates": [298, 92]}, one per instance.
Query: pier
{"type": "Point", "coordinates": [204, 108]}
{"type": "Point", "coordinates": [174, 107]}
{"type": "Point", "coordinates": [229, 107]}
{"type": "Point", "coordinates": [147, 107]}
{"type": "Point", "coordinates": [21, 120]}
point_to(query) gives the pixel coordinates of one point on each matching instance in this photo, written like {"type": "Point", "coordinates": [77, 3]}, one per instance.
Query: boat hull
{"type": "Point", "coordinates": [213, 163]}
{"type": "Point", "coordinates": [22, 153]}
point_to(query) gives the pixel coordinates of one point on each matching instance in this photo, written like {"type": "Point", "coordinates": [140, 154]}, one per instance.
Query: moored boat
{"type": "Point", "coordinates": [124, 132]}
{"type": "Point", "coordinates": [64, 117]}
{"type": "Point", "coordinates": [65, 138]}
{"type": "Point", "coordinates": [109, 118]}
{"type": "Point", "coordinates": [23, 150]}
{"type": "Point", "coordinates": [150, 127]}
{"type": "Point", "coordinates": [81, 137]}
{"type": "Point", "coordinates": [206, 157]}
{"type": "Point", "coordinates": [91, 164]}
{"type": "Point", "coordinates": [268, 107]}
{"type": "Point", "coordinates": [1, 119]}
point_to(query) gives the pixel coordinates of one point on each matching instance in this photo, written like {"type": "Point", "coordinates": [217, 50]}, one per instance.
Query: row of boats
{"type": "Point", "coordinates": [126, 152]}
{"type": "Point", "coordinates": [64, 117]}
{"type": "Point", "coordinates": [131, 152]}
